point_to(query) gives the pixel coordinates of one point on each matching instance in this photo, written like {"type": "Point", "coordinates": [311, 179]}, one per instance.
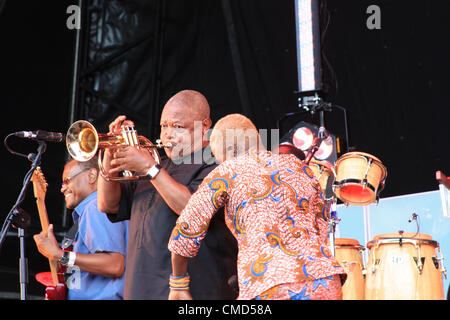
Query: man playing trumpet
{"type": "Point", "coordinates": [153, 204]}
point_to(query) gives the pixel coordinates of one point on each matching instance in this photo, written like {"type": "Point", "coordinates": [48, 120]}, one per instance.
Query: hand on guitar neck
{"type": "Point", "coordinates": [48, 245]}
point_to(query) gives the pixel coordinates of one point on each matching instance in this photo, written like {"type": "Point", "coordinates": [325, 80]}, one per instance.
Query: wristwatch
{"type": "Point", "coordinates": [64, 260]}
{"type": "Point", "coordinates": [153, 171]}
{"type": "Point", "coordinates": [68, 259]}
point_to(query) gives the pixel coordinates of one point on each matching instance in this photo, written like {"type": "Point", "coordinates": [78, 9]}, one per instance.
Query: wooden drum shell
{"type": "Point", "coordinates": [393, 268]}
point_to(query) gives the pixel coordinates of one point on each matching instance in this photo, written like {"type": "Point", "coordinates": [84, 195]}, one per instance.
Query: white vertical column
{"type": "Point", "coordinates": [367, 230]}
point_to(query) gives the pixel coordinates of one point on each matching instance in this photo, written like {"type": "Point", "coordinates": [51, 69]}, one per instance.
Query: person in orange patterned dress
{"type": "Point", "coordinates": [274, 207]}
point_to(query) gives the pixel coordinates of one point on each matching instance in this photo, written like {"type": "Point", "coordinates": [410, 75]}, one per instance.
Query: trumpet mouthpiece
{"type": "Point", "coordinates": [160, 145]}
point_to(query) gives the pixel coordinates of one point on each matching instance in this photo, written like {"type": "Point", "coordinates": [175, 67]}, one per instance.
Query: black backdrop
{"type": "Point", "coordinates": [393, 82]}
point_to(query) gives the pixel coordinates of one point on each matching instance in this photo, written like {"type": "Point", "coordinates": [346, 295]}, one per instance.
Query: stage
{"type": "Point", "coordinates": [384, 62]}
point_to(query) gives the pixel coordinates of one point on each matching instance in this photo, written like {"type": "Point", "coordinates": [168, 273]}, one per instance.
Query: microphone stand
{"type": "Point", "coordinates": [322, 135]}
{"type": "Point", "coordinates": [315, 104]}
{"type": "Point", "coordinates": [332, 221]}
{"type": "Point", "coordinates": [20, 219]}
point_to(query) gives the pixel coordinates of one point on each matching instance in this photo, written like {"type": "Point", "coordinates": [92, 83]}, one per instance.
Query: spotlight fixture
{"type": "Point", "coordinates": [304, 135]}
{"type": "Point", "coordinates": [325, 150]}
{"type": "Point", "coordinates": [310, 134]}
{"type": "Point", "coordinates": [303, 138]}
{"type": "Point", "coordinates": [308, 45]}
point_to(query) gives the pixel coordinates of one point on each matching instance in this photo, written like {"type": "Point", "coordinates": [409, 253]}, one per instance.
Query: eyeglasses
{"type": "Point", "coordinates": [68, 179]}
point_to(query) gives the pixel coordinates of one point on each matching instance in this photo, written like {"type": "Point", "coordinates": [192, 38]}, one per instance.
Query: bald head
{"type": "Point", "coordinates": [191, 101]}
{"type": "Point", "coordinates": [185, 123]}
{"type": "Point", "coordinates": [232, 135]}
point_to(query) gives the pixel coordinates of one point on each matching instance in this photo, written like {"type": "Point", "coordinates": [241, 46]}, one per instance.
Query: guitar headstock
{"type": "Point", "coordinates": [39, 183]}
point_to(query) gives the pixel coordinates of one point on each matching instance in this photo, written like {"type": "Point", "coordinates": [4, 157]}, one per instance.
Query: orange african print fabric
{"type": "Point", "coordinates": [274, 207]}
{"type": "Point", "coordinates": [328, 288]}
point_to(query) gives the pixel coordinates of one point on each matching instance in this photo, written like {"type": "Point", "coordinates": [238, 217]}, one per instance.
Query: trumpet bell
{"type": "Point", "coordinates": [82, 141]}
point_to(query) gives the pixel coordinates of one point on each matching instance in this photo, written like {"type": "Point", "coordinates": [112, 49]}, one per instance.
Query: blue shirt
{"type": "Point", "coordinates": [96, 234]}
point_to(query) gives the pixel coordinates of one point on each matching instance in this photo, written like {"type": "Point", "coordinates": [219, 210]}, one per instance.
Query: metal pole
{"type": "Point", "coordinates": [332, 225]}
{"type": "Point", "coordinates": [23, 265]}
{"type": "Point", "coordinates": [367, 235]}
{"type": "Point", "coordinates": [74, 94]}
{"type": "Point", "coordinates": [74, 100]}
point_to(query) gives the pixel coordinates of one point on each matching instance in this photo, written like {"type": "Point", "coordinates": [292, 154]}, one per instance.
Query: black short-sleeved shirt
{"type": "Point", "coordinates": [148, 261]}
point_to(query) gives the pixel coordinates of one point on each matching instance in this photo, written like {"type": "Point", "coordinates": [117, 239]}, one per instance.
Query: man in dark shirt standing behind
{"type": "Point", "coordinates": [152, 205]}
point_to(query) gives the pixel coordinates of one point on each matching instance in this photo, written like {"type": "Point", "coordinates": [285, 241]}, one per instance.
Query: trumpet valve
{"type": "Point", "coordinates": [130, 136]}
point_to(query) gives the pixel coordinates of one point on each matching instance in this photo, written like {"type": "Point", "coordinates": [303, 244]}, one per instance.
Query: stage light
{"type": "Point", "coordinates": [325, 150]}
{"type": "Point", "coordinates": [308, 45]}
{"type": "Point", "coordinates": [303, 138]}
{"type": "Point", "coordinates": [303, 135]}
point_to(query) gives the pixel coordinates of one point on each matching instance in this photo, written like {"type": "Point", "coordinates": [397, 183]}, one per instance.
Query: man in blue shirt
{"type": "Point", "coordinates": [95, 267]}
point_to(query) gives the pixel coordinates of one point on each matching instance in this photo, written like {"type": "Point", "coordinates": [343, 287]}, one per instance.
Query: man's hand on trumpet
{"type": "Point", "coordinates": [115, 127]}
{"type": "Point", "coordinates": [132, 159]}
{"type": "Point", "coordinates": [126, 158]}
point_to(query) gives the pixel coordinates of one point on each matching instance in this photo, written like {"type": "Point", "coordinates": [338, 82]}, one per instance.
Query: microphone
{"type": "Point", "coordinates": [323, 133]}
{"type": "Point", "coordinates": [41, 135]}
{"type": "Point", "coordinates": [414, 217]}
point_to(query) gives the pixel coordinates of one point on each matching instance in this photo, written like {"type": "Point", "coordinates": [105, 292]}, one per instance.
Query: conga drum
{"type": "Point", "coordinates": [323, 170]}
{"type": "Point", "coordinates": [349, 256]}
{"type": "Point", "coordinates": [404, 267]}
{"type": "Point", "coordinates": [359, 179]}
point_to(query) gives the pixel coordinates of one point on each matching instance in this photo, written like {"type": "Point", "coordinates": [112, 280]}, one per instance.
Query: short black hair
{"type": "Point", "coordinates": [91, 163]}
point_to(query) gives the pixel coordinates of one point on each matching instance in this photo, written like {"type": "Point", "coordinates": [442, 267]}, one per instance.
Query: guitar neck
{"type": "Point", "coordinates": [39, 186]}
{"type": "Point", "coordinates": [43, 217]}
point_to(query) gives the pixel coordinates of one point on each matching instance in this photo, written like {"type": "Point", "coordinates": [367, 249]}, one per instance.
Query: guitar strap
{"type": "Point", "coordinates": [70, 236]}
{"type": "Point", "coordinates": [66, 244]}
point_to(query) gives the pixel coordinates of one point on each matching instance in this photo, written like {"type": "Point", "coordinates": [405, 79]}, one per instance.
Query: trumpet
{"type": "Point", "coordinates": [83, 142]}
